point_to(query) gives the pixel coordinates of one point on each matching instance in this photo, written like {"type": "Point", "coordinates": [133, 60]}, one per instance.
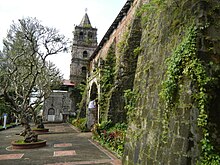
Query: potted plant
{"type": "Point", "coordinates": [30, 138]}
{"type": "Point", "coordinates": [40, 126]}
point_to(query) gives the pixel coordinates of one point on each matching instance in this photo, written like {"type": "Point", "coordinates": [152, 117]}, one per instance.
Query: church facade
{"type": "Point", "coordinates": [59, 106]}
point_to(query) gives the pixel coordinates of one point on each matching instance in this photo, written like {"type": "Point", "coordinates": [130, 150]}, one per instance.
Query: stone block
{"type": "Point", "coordinates": [184, 130]}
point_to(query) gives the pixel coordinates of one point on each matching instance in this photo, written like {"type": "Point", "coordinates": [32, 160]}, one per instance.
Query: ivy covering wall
{"type": "Point", "coordinates": [126, 63]}
{"type": "Point", "coordinates": [177, 85]}
{"type": "Point", "coordinates": [107, 80]}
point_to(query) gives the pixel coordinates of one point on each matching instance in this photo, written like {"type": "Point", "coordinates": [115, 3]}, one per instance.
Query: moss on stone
{"type": "Point", "coordinates": [165, 25]}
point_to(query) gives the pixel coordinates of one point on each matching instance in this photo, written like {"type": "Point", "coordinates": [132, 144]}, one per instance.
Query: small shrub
{"type": "Point", "coordinates": [81, 124]}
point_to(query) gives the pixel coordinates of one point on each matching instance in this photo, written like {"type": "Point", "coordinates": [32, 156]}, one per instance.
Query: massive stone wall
{"type": "Point", "coordinates": [167, 52]}
{"type": "Point", "coordinates": [177, 84]}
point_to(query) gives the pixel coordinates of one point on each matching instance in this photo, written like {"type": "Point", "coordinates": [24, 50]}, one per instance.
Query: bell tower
{"type": "Point", "coordinates": [84, 44]}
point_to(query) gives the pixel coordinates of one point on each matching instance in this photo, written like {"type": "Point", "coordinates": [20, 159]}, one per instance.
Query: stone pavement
{"type": "Point", "coordinates": [65, 146]}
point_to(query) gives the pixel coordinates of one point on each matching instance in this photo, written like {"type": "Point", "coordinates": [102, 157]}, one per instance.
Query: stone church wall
{"type": "Point", "coordinates": [176, 88]}
{"type": "Point", "coordinates": [167, 54]}
{"type": "Point", "coordinates": [58, 107]}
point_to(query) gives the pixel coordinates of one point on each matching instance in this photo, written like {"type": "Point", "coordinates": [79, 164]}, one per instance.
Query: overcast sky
{"type": "Point", "coordinates": [63, 15]}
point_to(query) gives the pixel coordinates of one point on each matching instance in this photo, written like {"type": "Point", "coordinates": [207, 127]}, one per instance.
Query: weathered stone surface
{"type": "Point", "coordinates": [84, 44]}
{"type": "Point", "coordinates": [165, 27]}
{"type": "Point", "coordinates": [158, 134]}
{"type": "Point", "coordinates": [58, 106]}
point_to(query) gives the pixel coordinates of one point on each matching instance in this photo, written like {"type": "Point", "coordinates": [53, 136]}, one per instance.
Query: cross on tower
{"type": "Point", "coordinates": [86, 10]}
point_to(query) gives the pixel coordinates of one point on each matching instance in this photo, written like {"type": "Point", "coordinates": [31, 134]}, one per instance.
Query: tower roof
{"type": "Point", "coordinates": [85, 22]}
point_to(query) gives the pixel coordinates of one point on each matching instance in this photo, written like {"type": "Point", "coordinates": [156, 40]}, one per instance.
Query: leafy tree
{"type": "Point", "coordinates": [26, 76]}
{"type": "Point", "coordinates": [4, 106]}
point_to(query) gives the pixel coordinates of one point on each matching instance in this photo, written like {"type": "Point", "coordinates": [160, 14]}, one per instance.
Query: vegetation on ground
{"type": "Point", "coordinates": [111, 136]}
{"type": "Point", "coordinates": [8, 125]}
{"type": "Point", "coordinates": [80, 123]}
{"type": "Point", "coordinates": [23, 142]}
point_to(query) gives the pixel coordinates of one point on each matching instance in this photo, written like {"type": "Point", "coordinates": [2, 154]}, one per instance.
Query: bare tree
{"type": "Point", "coordinates": [26, 73]}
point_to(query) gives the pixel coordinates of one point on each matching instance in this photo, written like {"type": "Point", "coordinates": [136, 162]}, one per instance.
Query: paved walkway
{"type": "Point", "coordinates": [65, 146]}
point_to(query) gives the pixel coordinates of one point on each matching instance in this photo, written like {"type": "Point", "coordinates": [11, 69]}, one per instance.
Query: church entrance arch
{"type": "Point", "coordinates": [51, 114]}
{"type": "Point", "coordinates": [94, 91]}
{"type": "Point", "coordinates": [93, 113]}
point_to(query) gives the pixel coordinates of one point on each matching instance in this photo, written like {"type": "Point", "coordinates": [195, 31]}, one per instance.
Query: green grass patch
{"type": "Point", "coordinates": [7, 125]}
{"type": "Point", "coordinates": [23, 142]}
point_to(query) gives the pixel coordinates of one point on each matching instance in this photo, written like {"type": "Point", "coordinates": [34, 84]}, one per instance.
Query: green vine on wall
{"type": "Point", "coordinates": [80, 95]}
{"type": "Point", "coordinates": [107, 81]}
{"type": "Point", "coordinates": [184, 62]}
{"type": "Point", "coordinates": [130, 102]}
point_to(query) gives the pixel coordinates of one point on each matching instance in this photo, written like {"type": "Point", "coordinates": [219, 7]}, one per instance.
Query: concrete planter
{"type": "Point", "coordinates": [40, 130]}
{"type": "Point", "coordinates": [40, 143]}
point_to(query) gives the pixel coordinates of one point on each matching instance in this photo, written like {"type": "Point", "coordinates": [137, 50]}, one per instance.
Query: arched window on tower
{"type": "Point", "coordinates": [90, 35]}
{"type": "Point", "coordinates": [85, 54]}
{"type": "Point", "coordinates": [81, 35]}
{"type": "Point", "coordinates": [84, 70]}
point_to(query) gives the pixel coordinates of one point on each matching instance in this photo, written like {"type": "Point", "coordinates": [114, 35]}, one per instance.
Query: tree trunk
{"type": "Point", "coordinates": [29, 135]}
